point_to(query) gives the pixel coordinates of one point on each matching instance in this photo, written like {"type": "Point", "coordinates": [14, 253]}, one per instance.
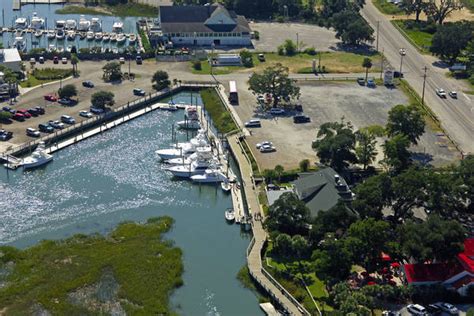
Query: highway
{"type": "Point", "coordinates": [456, 115]}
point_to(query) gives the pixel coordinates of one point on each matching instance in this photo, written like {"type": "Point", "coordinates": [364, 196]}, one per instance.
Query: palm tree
{"type": "Point", "coordinates": [367, 64]}
{"type": "Point", "coordinates": [74, 62]}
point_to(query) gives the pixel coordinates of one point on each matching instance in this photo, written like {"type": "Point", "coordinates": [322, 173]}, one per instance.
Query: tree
{"type": "Point", "coordinates": [288, 48]}
{"type": "Point", "coordinates": [332, 262]}
{"type": "Point", "coordinates": [5, 116]}
{"type": "Point", "coordinates": [247, 58]}
{"type": "Point", "coordinates": [160, 80]}
{"type": "Point", "coordinates": [101, 99]}
{"type": "Point", "coordinates": [282, 245]}
{"type": "Point", "coordinates": [337, 219]}
{"type": "Point", "coordinates": [112, 71]}
{"type": "Point", "coordinates": [367, 64]}
{"type": "Point", "coordinates": [275, 81]}
{"type": "Point", "coordinates": [397, 156]}
{"type": "Point", "coordinates": [335, 144]}
{"type": "Point", "coordinates": [304, 165]}
{"type": "Point", "coordinates": [466, 176]}
{"type": "Point", "coordinates": [279, 171]}
{"type": "Point", "coordinates": [366, 150]}
{"type": "Point", "coordinates": [408, 192]}
{"type": "Point", "coordinates": [299, 245]}
{"type": "Point", "coordinates": [372, 195]}
{"type": "Point", "coordinates": [414, 6]}
{"type": "Point", "coordinates": [351, 28]}
{"type": "Point", "coordinates": [405, 120]}
{"type": "Point", "coordinates": [287, 215]}
{"type": "Point", "coordinates": [450, 39]}
{"type": "Point", "coordinates": [74, 62]}
{"type": "Point", "coordinates": [68, 91]}
{"type": "Point", "coordinates": [439, 10]}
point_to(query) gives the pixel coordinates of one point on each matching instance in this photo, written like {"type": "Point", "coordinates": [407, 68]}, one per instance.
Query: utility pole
{"type": "Point", "coordinates": [424, 82]}
{"type": "Point", "coordinates": [402, 52]}
{"type": "Point", "coordinates": [377, 37]}
{"type": "Point", "coordinates": [381, 64]}
{"type": "Point", "coordinates": [297, 43]}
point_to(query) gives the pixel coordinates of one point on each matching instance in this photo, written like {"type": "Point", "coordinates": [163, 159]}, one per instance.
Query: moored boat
{"type": "Point", "coordinates": [98, 36]}
{"type": "Point", "coordinates": [39, 33]}
{"type": "Point", "coordinates": [113, 37]}
{"type": "Point", "coordinates": [209, 176]}
{"type": "Point", "coordinates": [51, 35]}
{"type": "Point", "coordinates": [229, 215]}
{"type": "Point", "coordinates": [71, 35]}
{"type": "Point", "coordinates": [90, 36]}
{"type": "Point", "coordinates": [37, 23]}
{"type": "Point", "coordinates": [106, 37]}
{"type": "Point", "coordinates": [121, 38]}
{"type": "Point", "coordinates": [60, 35]}
{"type": "Point", "coordinates": [132, 38]}
{"type": "Point", "coordinates": [38, 158]}
{"type": "Point", "coordinates": [84, 24]}
{"type": "Point", "coordinates": [189, 124]}
{"type": "Point", "coordinates": [226, 186]}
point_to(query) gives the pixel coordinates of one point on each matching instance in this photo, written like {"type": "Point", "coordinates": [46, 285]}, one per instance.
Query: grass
{"type": "Point", "coordinates": [145, 41]}
{"type": "Point", "coordinates": [246, 280]}
{"type": "Point", "coordinates": [206, 69]}
{"type": "Point", "coordinates": [253, 162]}
{"type": "Point", "coordinates": [133, 259]}
{"type": "Point", "coordinates": [122, 10]}
{"type": "Point", "coordinates": [31, 81]}
{"type": "Point", "coordinates": [468, 4]}
{"type": "Point", "coordinates": [421, 40]}
{"type": "Point", "coordinates": [387, 8]}
{"type": "Point", "coordinates": [76, 9]}
{"type": "Point", "coordinates": [221, 118]}
{"type": "Point", "coordinates": [45, 75]}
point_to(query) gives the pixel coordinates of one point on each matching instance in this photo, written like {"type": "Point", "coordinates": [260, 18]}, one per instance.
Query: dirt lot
{"type": "Point", "coordinates": [330, 101]}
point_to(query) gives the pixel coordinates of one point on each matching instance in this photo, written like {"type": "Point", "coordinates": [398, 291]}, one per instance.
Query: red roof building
{"type": "Point", "coordinates": [457, 275]}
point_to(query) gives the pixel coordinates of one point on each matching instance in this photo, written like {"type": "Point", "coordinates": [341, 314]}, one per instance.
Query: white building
{"type": "Point", "coordinates": [10, 58]}
{"type": "Point", "coordinates": [203, 26]}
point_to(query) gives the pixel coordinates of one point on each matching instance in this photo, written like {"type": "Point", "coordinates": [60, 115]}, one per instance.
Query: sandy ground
{"type": "Point", "coordinates": [457, 15]}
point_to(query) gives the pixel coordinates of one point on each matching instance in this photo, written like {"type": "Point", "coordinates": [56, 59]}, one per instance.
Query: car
{"type": "Point", "coordinates": [441, 93]}
{"type": "Point", "coordinates": [32, 61]}
{"type": "Point", "coordinates": [390, 313]}
{"type": "Point", "coordinates": [86, 114]}
{"type": "Point", "coordinates": [96, 110]}
{"type": "Point", "coordinates": [301, 119]}
{"type": "Point", "coordinates": [51, 98]}
{"type": "Point", "coordinates": [433, 309]}
{"type": "Point", "coordinates": [261, 57]}
{"type": "Point", "coordinates": [299, 108]}
{"type": "Point", "coordinates": [33, 111]}
{"type": "Point", "coordinates": [122, 60]}
{"type": "Point", "coordinates": [7, 109]}
{"type": "Point", "coordinates": [4, 135]}
{"type": "Point", "coordinates": [39, 109]}
{"type": "Point", "coordinates": [448, 308]}
{"type": "Point", "coordinates": [416, 309]}
{"type": "Point", "coordinates": [55, 60]}
{"type": "Point", "coordinates": [371, 83]}
{"type": "Point", "coordinates": [32, 132]}
{"type": "Point", "coordinates": [56, 124]}
{"type": "Point", "coordinates": [453, 94]}
{"type": "Point", "coordinates": [139, 92]}
{"type": "Point", "coordinates": [88, 84]}
{"type": "Point", "coordinates": [277, 111]}
{"type": "Point", "coordinates": [64, 60]}
{"type": "Point", "coordinates": [41, 60]}
{"type": "Point", "coordinates": [65, 101]}
{"type": "Point", "coordinates": [397, 74]}
{"type": "Point", "coordinates": [267, 149]}
{"type": "Point", "coordinates": [361, 81]}
{"type": "Point", "coordinates": [18, 117]}
{"type": "Point", "coordinates": [45, 128]}
{"type": "Point", "coordinates": [263, 144]}
{"type": "Point", "coordinates": [139, 60]}
{"type": "Point", "coordinates": [67, 119]}
{"type": "Point", "coordinates": [253, 123]}
{"type": "Point", "coordinates": [261, 99]}
{"type": "Point", "coordinates": [25, 113]}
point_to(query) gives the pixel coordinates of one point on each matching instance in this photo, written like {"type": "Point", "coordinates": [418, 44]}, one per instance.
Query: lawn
{"type": "Point", "coordinates": [420, 39]}
{"type": "Point", "coordinates": [387, 8]}
{"type": "Point", "coordinates": [468, 4]}
{"type": "Point", "coordinates": [45, 75]}
{"type": "Point", "coordinates": [131, 270]}
{"type": "Point", "coordinates": [76, 9]}
{"type": "Point", "coordinates": [206, 69]}
{"type": "Point", "coordinates": [31, 81]}
{"type": "Point", "coordinates": [220, 116]}
{"type": "Point", "coordinates": [129, 9]}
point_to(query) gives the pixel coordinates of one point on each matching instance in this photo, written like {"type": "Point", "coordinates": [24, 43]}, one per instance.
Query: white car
{"type": "Point", "coordinates": [267, 149]}
{"type": "Point", "coordinates": [86, 114]}
{"type": "Point", "coordinates": [67, 119]}
{"type": "Point", "coordinates": [277, 111]}
{"type": "Point", "coordinates": [56, 124]}
{"type": "Point", "coordinates": [441, 93]}
{"type": "Point", "coordinates": [253, 123]}
{"type": "Point", "coordinates": [261, 99]}
{"type": "Point", "coordinates": [448, 308]}
{"type": "Point", "coordinates": [416, 309]}
{"type": "Point", "coordinates": [453, 94]}
{"type": "Point", "coordinates": [265, 143]}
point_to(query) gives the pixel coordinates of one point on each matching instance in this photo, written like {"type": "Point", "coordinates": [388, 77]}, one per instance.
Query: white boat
{"type": "Point", "coordinates": [200, 140]}
{"type": "Point", "coordinates": [52, 48]}
{"type": "Point", "coordinates": [106, 37]}
{"type": "Point", "coordinates": [193, 124]}
{"type": "Point", "coordinates": [90, 36]}
{"type": "Point", "coordinates": [60, 35]}
{"type": "Point", "coordinates": [121, 38]}
{"type": "Point", "coordinates": [209, 176]}
{"type": "Point", "coordinates": [38, 33]}
{"type": "Point", "coordinates": [171, 153]}
{"type": "Point", "coordinates": [71, 35]}
{"type": "Point", "coordinates": [71, 24]}
{"type": "Point", "coordinates": [191, 113]}
{"type": "Point", "coordinates": [21, 23]}
{"type": "Point", "coordinates": [226, 186]}
{"type": "Point", "coordinates": [171, 106]}
{"type": "Point", "coordinates": [60, 49]}
{"type": "Point", "coordinates": [132, 38]}
{"type": "Point", "coordinates": [196, 167]}
{"type": "Point", "coordinates": [113, 37]}
{"type": "Point", "coordinates": [98, 36]}
{"type": "Point", "coordinates": [200, 154]}
{"type": "Point", "coordinates": [51, 35]}
{"type": "Point", "coordinates": [82, 35]}
{"type": "Point", "coordinates": [38, 158]}
{"type": "Point", "coordinates": [95, 25]}
{"type": "Point", "coordinates": [60, 24]}
{"type": "Point", "coordinates": [84, 24]}
{"type": "Point", "coordinates": [37, 23]}
{"type": "Point", "coordinates": [69, 48]}
{"type": "Point", "coordinates": [117, 27]}
{"type": "Point", "coordinates": [229, 215]}
{"type": "Point", "coordinates": [20, 43]}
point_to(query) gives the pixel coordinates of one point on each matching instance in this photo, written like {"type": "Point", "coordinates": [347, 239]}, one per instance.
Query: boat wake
{"type": "Point", "coordinates": [209, 301]}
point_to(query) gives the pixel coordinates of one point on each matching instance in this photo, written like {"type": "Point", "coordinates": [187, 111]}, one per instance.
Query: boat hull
{"type": "Point", "coordinates": [37, 163]}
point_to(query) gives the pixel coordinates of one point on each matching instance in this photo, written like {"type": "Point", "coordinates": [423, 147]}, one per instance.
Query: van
{"type": "Point", "coordinates": [253, 123]}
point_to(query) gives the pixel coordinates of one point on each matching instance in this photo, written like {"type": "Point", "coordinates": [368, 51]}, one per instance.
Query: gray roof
{"type": "Point", "coordinates": [273, 195]}
{"type": "Point", "coordinates": [194, 18]}
{"type": "Point", "coordinates": [320, 191]}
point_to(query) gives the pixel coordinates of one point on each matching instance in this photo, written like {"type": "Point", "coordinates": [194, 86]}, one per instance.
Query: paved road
{"type": "Point", "coordinates": [457, 116]}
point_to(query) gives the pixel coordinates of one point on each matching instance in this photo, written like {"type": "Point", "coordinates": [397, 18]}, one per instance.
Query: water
{"type": "Point", "coordinates": [48, 11]}
{"type": "Point", "coordinates": [115, 176]}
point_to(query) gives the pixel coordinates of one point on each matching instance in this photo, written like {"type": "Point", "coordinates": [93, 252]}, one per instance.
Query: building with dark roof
{"type": "Point", "coordinates": [203, 25]}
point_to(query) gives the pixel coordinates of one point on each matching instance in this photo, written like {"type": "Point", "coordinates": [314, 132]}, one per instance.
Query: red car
{"type": "Point", "coordinates": [51, 98]}
{"type": "Point", "coordinates": [24, 112]}
{"type": "Point", "coordinates": [18, 117]}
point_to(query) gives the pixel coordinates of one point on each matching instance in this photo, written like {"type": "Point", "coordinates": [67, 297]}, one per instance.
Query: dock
{"type": "Point", "coordinates": [16, 5]}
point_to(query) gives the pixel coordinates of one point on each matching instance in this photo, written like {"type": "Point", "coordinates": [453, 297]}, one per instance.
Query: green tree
{"type": "Point", "coordinates": [68, 91]}
{"type": "Point", "coordinates": [372, 195]}
{"type": "Point", "coordinates": [332, 262]}
{"type": "Point", "coordinates": [299, 245]}
{"type": "Point", "coordinates": [279, 171]}
{"type": "Point", "coordinates": [414, 6]}
{"type": "Point", "coordinates": [335, 144]}
{"type": "Point", "coordinates": [275, 81]}
{"type": "Point", "coordinates": [288, 48]}
{"type": "Point", "coordinates": [247, 58]}
{"type": "Point", "coordinates": [74, 62]}
{"type": "Point", "coordinates": [101, 99]}
{"type": "Point", "coordinates": [160, 80]}
{"type": "Point", "coordinates": [465, 173]}
{"type": "Point", "coordinates": [406, 120]}
{"type": "Point", "coordinates": [288, 214]}
{"type": "Point", "coordinates": [282, 245]}
{"type": "Point", "coordinates": [337, 219]}
{"type": "Point", "coordinates": [351, 28]}
{"type": "Point", "coordinates": [304, 165]}
{"type": "Point", "coordinates": [439, 10]}
{"type": "Point", "coordinates": [5, 116]}
{"type": "Point", "coordinates": [112, 71]}
{"type": "Point", "coordinates": [367, 64]}
{"type": "Point", "coordinates": [397, 156]}
{"type": "Point", "coordinates": [450, 39]}
{"type": "Point", "coordinates": [366, 149]}
{"type": "Point", "coordinates": [408, 192]}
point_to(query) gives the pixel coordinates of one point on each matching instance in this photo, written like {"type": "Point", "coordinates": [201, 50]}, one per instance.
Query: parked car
{"type": "Point", "coordinates": [4, 135]}
{"type": "Point", "coordinates": [139, 60]}
{"type": "Point", "coordinates": [441, 93]}
{"type": "Point", "coordinates": [361, 81]}
{"type": "Point", "coordinates": [55, 60]}
{"type": "Point", "coordinates": [122, 60]}
{"type": "Point", "coordinates": [261, 99]}
{"type": "Point", "coordinates": [41, 60]}
{"type": "Point", "coordinates": [56, 124]}
{"type": "Point", "coordinates": [45, 128]}
{"type": "Point", "coordinates": [267, 149]}
{"type": "Point", "coordinates": [39, 109]}
{"type": "Point", "coordinates": [416, 309]}
{"type": "Point", "coordinates": [371, 83]}
{"type": "Point", "coordinates": [67, 102]}
{"type": "Point", "coordinates": [97, 110]}
{"type": "Point", "coordinates": [276, 111]}
{"type": "Point", "coordinates": [261, 57]}
{"type": "Point", "coordinates": [33, 111]}
{"type": "Point", "coordinates": [397, 74]}
{"type": "Point", "coordinates": [25, 113]}
{"type": "Point", "coordinates": [18, 117]}
{"type": "Point", "coordinates": [433, 309]}
{"type": "Point", "coordinates": [263, 144]}
{"type": "Point", "coordinates": [453, 94]}
{"type": "Point", "coordinates": [88, 84]}
{"type": "Point", "coordinates": [51, 98]}
{"type": "Point", "coordinates": [139, 92]}
{"type": "Point", "coordinates": [301, 119]}
{"type": "Point", "coordinates": [448, 308]}
{"type": "Point", "coordinates": [85, 114]}
{"type": "Point", "coordinates": [64, 60]}
{"type": "Point", "coordinates": [67, 119]}
{"type": "Point", "coordinates": [32, 132]}
{"type": "Point", "coordinates": [7, 109]}
{"type": "Point", "coordinates": [390, 313]}
{"type": "Point", "coordinates": [32, 61]}
{"type": "Point", "coordinates": [253, 123]}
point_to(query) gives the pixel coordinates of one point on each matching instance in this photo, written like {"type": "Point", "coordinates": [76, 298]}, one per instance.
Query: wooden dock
{"type": "Point", "coordinates": [16, 4]}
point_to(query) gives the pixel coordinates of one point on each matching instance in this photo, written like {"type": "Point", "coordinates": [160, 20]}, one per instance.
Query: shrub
{"type": "Point", "coordinates": [51, 73]}
{"type": "Point", "coordinates": [310, 51]}
{"type": "Point", "coordinates": [257, 35]}
{"type": "Point", "coordinates": [247, 59]}
{"type": "Point", "coordinates": [304, 165]}
{"type": "Point", "coordinates": [197, 65]}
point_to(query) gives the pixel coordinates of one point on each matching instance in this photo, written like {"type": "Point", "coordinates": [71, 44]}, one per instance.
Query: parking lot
{"type": "Point", "coordinates": [326, 102]}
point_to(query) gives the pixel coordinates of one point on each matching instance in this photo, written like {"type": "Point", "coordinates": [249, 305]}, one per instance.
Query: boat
{"type": "Point", "coordinates": [60, 34]}
{"type": "Point", "coordinates": [200, 154]}
{"type": "Point", "coordinates": [226, 186]}
{"type": "Point", "coordinates": [60, 24]}
{"type": "Point", "coordinates": [71, 35]}
{"type": "Point", "coordinates": [37, 23]}
{"type": "Point", "coordinates": [106, 37]}
{"type": "Point", "coordinates": [71, 24]}
{"type": "Point", "coordinates": [195, 168]}
{"type": "Point", "coordinates": [98, 36]}
{"type": "Point", "coordinates": [38, 158]}
{"type": "Point", "coordinates": [60, 49]}
{"type": "Point", "coordinates": [69, 48]}
{"type": "Point", "coordinates": [117, 27]}
{"type": "Point", "coordinates": [121, 38]}
{"type": "Point", "coordinates": [95, 25]}
{"type": "Point", "coordinates": [192, 124]}
{"type": "Point", "coordinates": [20, 43]}
{"type": "Point", "coordinates": [38, 33]}
{"type": "Point", "coordinates": [21, 24]}
{"type": "Point", "coordinates": [52, 48]}
{"type": "Point", "coordinates": [90, 36]}
{"type": "Point", "coordinates": [51, 35]}
{"type": "Point", "coordinates": [191, 113]}
{"type": "Point", "coordinates": [229, 215]}
{"type": "Point", "coordinates": [82, 35]}
{"type": "Point", "coordinates": [84, 24]}
{"type": "Point", "coordinates": [209, 176]}
{"type": "Point", "coordinates": [171, 106]}
{"type": "Point", "coordinates": [113, 37]}
{"type": "Point", "coordinates": [132, 38]}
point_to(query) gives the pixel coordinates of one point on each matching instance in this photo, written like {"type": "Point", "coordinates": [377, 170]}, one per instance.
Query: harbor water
{"type": "Point", "coordinates": [115, 176]}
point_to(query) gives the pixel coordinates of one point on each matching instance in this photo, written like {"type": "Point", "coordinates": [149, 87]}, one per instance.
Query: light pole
{"type": "Point", "coordinates": [402, 52]}
{"type": "Point", "coordinates": [377, 36]}
{"type": "Point", "coordinates": [424, 82]}
{"type": "Point", "coordinates": [129, 61]}
{"type": "Point", "coordinates": [297, 43]}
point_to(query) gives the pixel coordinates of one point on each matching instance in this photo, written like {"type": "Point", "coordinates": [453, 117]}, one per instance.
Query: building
{"type": "Point", "coordinates": [457, 275]}
{"type": "Point", "coordinates": [203, 26]}
{"type": "Point", "coordinates": [10, 58]}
